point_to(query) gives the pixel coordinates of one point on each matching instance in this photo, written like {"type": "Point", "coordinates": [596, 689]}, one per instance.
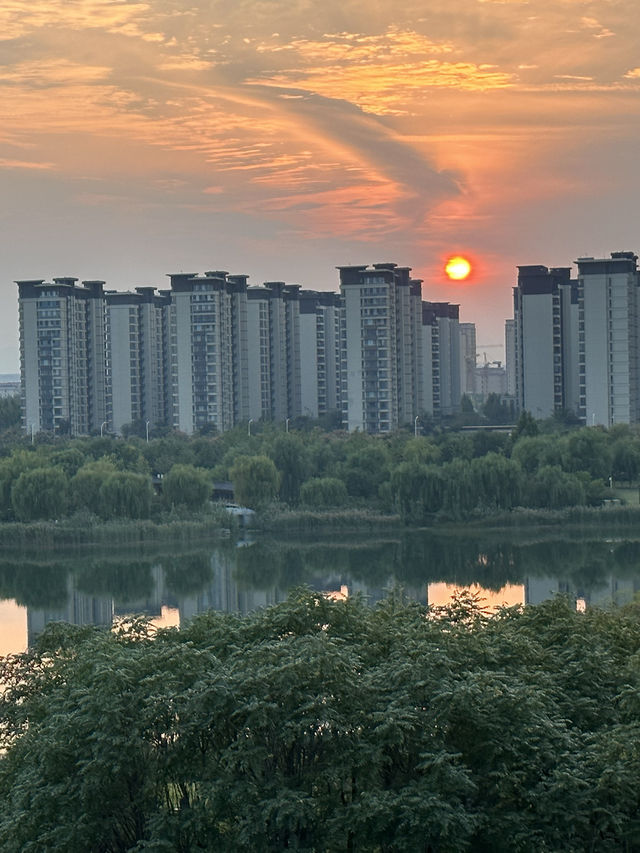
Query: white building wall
{"type": "Point", "coordinates": [120, 360]}
{"type": "Point", "coordinates": [467, 357]}
{"type": "Point", "coordinates": [355, 399]}
{"type": "Point", "coordinates": [610, 344]}
{"type": "Point", "coordinates": [537, 354]}
{"type": "Point", "coordinates": [30, 375]}
{"type": "Point", "coordinates": [183, 375]}
{"type": "Point", "coordinates": [426, 375]}
{"type": "Point", "coordinates": [510, 355]}
{"type": "Point", "coordinates": [255, 359]}
{"type": "Point", "coordinates": [309, 365]}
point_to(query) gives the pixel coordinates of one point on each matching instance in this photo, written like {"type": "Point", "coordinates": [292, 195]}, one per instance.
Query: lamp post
{"type": "Point", "coordinates": [286, 424]}
{"type": "Point", "coordinates": [102, 426]}
{"type": "Point", "coordinates": [249, 427]}
{"type": "Point", "coordinates": [147, 429]}
{"type": "Point", "coordinates": [415, 425]}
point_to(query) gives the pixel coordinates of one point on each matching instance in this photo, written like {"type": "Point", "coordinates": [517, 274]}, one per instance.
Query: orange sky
{"type": "Point", "coordinates": [281, 139]}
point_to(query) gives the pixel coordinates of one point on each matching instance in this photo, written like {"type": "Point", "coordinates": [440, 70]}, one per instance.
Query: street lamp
{"type": "Point", "coordinates": [249, 427]}
{"type": "Point", "coordinates": [102, 426]}
{"type": "Point", "coordinates": [147, 428]}
{"type": "Point", "coordinates": [415, 425]}
{"type": "Point", "coordinates": [286, 424]}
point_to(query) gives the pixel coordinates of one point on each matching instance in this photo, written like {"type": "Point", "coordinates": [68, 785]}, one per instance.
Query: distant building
{"type": "Point", "coordinates": [136, 381]}
{"type": "Point", "coordinates": [384, 348]}
{"type": "Point", "coordinates": [490, 378]}
{"type": "Point", "coordinates": [576, 342]}
{"type": "Point", "coordinates": [467, 357]}
{"type": "Point", "coordinates": [211, 352]}
{"type": "Point", "coordinates": [62, 355]}
{"type": "Point", "coordinates": [545, 314]}
{"type": "Point", "coordinates": [608, 339]}
{"type": "Point", "coordinates": [9, 387]}
{"type": "Point", "coordinates": [510, 355]}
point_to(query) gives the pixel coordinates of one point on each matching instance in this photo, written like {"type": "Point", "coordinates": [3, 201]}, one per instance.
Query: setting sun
{"type": "Point", "coordinates": [457, 268]}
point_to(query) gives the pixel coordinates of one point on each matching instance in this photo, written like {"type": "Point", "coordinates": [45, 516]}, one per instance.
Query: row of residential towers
{"type": "Point", "coordinates": [574, 344]}
{"type": "Point", "coordinates": [212, 351]}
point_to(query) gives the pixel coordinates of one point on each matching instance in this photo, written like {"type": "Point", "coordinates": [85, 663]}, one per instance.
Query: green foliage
{"type": "Point", "coordinates": [10, 411]}
{"type": "Point", "coordinates": [288, 453]}
{"type": "Point", "coordinates": [323, 493]}
{"type": "Point", "coordinates": [255, 481]}
{"type": "Point", "coordinates": [40, 493]}
{"type": "Point", "coordinates": [328, 726]}
{"type": "Point", "coordinates": [365, 468]}
{"type": "Point", "coordinates": [187, 486]}
{"type": "Point", "coordinates": [527, 426]}
{"type": "Point", "coordinates": [125, 495]}
{"type": "Point", "coordinates": [86, 484]}
{"type": "Point", "coordinates": [498, 411]}
{"type": "Point", "coordinates": [552, 488]}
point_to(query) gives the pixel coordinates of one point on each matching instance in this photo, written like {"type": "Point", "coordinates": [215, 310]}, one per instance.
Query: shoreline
{"type": "Point", "coordinates": [72, 532]}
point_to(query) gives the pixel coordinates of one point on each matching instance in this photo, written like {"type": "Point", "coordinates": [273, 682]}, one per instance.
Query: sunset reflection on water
{"type": "Point", "coordinates": [13, 628]}
{"type": "Point", "coordinates": [441, 594]}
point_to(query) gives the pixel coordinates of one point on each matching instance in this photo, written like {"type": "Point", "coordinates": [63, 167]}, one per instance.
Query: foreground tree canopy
{"type": "Point", "coordinates": [328, 726]}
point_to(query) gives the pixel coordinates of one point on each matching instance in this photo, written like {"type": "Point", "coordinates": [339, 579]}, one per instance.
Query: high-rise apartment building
{"type": "Point", "coordinates": [510, 355]}
{"type": "Point", "coordinates": [212, 352]}
{"type": "Point", "coordinates": [200, 327]}
{"type": "Point", "coordinates": [135, 361]}
{"type": "Point", "coordinates": [371, 303]}
{"type": "Point", "coordinates": [545, 314]}
{"type": "Point", "coordinates": [402, 354]}
{"type": "Point", "coordinates": [608, 339]}
{"type": "Point", "coordinates": [62, 356]}
{"type": "Point", "coordinates": [467, 357]}
{"type": "Point", "coordinates": [320, 352]}
{"type": "Point", "coordinates": [447, 319]}
{"type": "Point", "coordinates": [273, 335]}
{"type": "Point", "coordinates": [576, 342]}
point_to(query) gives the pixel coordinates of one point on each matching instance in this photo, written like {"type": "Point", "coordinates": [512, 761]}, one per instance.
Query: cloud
{"type": "Point", "coordinates": [24, 164]}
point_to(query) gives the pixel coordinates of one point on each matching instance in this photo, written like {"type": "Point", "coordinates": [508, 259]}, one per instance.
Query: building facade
{"type": "Point", "coordinates": [608, 339]}
{"type": "Point", "coordinates": [576, 342]}
{"type": "Point", "coordinates": [545, 312]}
{"type": "Point", "coordinates": [211, 352]}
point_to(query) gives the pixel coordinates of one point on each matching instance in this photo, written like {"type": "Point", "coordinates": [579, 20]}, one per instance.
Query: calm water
{"type": "Point", "coordinates": [170, 586]}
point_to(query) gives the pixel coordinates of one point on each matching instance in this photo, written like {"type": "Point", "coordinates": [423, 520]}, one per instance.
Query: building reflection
{"type": "Point", "coordinates": [172, 588]}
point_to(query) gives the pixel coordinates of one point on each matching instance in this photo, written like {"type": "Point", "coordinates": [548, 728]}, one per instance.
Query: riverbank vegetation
{"type": "Point", "coordinates": [320, 725]}
{"type": "Point", "coordinates": [446, 475]}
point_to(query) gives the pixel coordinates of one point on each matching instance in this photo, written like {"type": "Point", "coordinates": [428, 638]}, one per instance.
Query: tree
{"type": "Point", "coordinates": [527, 426]}
{"type": "Point", "coordinates": [365, 469]}
{"type": "Point", "coordinates": [290, 458]}
{"type": "Point", "coordinates": [187, 486]}
{"type": "Point", "coordinates": [496, 410]}
{"type": "Point", "coordinates": [41, 493]}
{"type": "Point", "coordinates": [255, 481]}
{"type": "Point", "coordinates": [552, 488]}
{"type": "Point", "coordinates": [86, 484]}
{"type": "Point", "coordinates": [125, 495]}
{"type": "Point", "coordinates": [10, 411]}
{"type": "Point", "coordinates": [323, 493]}
{"type": "Point", "coordinates": [334, 726]}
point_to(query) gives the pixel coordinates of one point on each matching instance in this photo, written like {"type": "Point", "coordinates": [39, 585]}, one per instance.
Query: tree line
{"type": "Point", "coordinates": [448, 473]}
{"type": "Point", "coordinates": [328, 726]}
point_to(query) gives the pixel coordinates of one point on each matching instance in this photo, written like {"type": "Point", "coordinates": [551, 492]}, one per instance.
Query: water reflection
{"type": "Point", "coordinates": [172, 586]}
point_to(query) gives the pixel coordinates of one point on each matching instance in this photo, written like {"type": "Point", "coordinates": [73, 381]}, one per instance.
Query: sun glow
{"type": "Point", "coordinates": [457, 268]}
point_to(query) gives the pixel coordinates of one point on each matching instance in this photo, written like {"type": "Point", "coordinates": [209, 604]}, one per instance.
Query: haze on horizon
{"type": "Point", "coordinates": [281, 139]}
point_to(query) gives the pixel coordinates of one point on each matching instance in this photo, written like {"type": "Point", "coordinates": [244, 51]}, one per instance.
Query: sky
{"type": "Point", "coordinates": [282, 138]}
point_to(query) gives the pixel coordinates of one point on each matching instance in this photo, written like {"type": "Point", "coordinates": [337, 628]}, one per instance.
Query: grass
{"type": "Point", "coordinates": [48, 534]}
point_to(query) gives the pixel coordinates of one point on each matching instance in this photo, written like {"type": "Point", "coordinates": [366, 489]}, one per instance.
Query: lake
{"type": "Point", "coordinates": [171, 585]}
